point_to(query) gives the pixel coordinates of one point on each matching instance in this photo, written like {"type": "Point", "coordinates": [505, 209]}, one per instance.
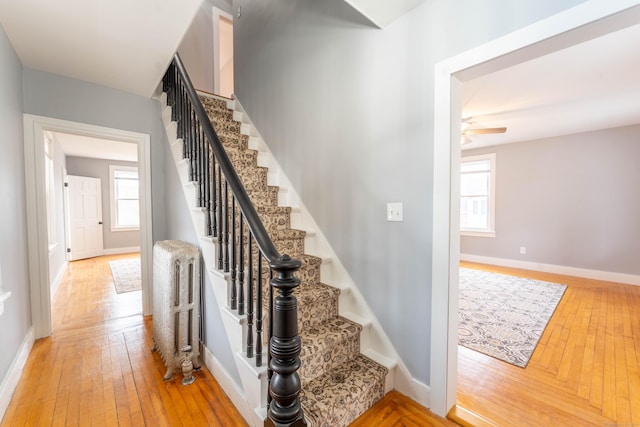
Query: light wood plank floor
{"type": "Point", "coordinates": [97, 368]}
{"type": "Point", "coordinates": [584, 371]}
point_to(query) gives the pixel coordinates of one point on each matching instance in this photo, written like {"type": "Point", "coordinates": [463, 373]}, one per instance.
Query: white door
{"type": "Point", "coordinates": [85, 217]}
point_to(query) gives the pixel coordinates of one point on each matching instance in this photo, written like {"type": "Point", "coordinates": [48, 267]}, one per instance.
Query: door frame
{"type": "Point", "coordinates": [217, 14]}
{"type": "Point", "coordinates": [588, 20]}
{"type": "Point", "coordinates": [34, 128]}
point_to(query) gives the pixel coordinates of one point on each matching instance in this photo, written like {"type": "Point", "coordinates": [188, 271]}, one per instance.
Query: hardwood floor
{"type": "Point", "coordinates": [397, 410]}
{"type": "Point", "coordinates": [97, 368]}
{"type": "Point", "coordinates": [584, 371]}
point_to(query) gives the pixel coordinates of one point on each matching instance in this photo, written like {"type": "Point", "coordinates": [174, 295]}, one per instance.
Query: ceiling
{"type": "Point", "coordinates": [593, 85]}
{"type": "Point", "coordinates": [96, 148]}
{"type": "Point", "coordinates": [95, 41]}
{"type": "Point", "coordinates": [382, 12]}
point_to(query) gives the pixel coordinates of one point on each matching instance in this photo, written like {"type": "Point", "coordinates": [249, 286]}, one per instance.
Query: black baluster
{"type": "Point", "coordinates": [234, 265]}
{"type": "Point", "coordinates": [249, 295]}
{"type": "Point", "coordinates": [241, 301]}
{"type": "Point", "coordinates": [220, 203]}
{"type": "Point", "coordinates": [270, 334]}
{"type": "Point", "coordinates": [259, 326]}
{"type": "Point", "coordinates": [226, 227]}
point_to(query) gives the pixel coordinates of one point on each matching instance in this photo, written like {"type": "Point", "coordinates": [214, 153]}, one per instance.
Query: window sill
{"type": "Point", "coordinates": [3, 297]}
{"type": "Point", "coordinates": [114, 229]}
{"type": "Point", "coordinates": [476, 233]}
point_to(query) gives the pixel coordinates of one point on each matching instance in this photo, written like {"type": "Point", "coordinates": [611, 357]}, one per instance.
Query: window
{"type": "Point", "coordinates": [477, 195]}
{"type": "Point", "coordinates": [50, 189]}
{"type": "Point", "coordinates": [125, 210]}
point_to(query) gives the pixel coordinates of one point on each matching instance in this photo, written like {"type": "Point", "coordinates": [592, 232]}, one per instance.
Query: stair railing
{"type": "Point", "coordinates": [242, 244]}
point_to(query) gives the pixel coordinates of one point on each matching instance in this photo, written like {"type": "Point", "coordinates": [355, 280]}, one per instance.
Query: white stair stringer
{"type": "Point", "coordinates": [374, 342]}
{"type": "Point", "coordinates": [254, 380]}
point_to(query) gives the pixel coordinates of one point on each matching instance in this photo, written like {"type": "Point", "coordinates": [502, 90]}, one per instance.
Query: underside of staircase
{"type": "Point", "coordinates": [338, 382]}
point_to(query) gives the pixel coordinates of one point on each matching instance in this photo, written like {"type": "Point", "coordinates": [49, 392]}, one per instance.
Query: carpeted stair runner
{"type": "Point", "coordinates": [338, 383]}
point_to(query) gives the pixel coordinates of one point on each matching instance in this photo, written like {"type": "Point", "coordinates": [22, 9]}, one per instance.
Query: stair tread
{"type": "Point", "coordinates": [338, 397]}
{"type": "Point", "coordinates": [326, 345]}
{"type": "Point", "coordinates": [328, 331]}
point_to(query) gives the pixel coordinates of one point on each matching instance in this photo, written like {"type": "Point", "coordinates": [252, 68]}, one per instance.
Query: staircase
{"type": "Point", "coordinates": [338, 382]}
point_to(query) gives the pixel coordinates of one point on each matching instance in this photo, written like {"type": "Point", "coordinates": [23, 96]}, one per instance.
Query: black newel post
{"type": "Point", "coordinates": [284, 347]}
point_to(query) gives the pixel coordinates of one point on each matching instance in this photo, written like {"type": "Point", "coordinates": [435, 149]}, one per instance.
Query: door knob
{"type": "Point", "coordinates": [100, 223]}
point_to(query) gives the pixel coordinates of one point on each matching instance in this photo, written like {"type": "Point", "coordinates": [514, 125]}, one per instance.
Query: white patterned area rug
{"type": "Point", "coordinates": [126, 274]}
{"type": "Point", "coordinates": [504, 316]}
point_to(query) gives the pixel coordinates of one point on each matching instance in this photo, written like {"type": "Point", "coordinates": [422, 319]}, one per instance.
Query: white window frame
{"type": "Point", "coordinates": [112, 194]}
{"type": "Point", "coordinates": [491, 202]}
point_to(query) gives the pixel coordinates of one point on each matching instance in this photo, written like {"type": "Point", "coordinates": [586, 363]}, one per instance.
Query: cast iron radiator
{"type": "Point", "coordinates": [176, 308]}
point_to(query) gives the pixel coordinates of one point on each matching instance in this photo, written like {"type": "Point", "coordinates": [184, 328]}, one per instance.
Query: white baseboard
{"type": "Point", "coordinates": [56, 281]}
{"type": "Point", "coordinates": [414, 389]}
{"type": "Point", "coordinates": [118, 251]}
{"type": "Point", "coordinates": [607, 276]}
{"type": "Point", "coordinates": [10, 381]}
{"type": "Point", "coordinates": [230, 387]}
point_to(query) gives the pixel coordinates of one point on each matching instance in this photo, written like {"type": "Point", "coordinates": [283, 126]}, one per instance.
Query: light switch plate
{"type": "Point", "coordinates": [394, 212]}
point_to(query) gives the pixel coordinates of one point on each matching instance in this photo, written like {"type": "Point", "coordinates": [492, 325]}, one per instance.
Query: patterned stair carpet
{"type": "Point", "coordinates": [338, 382]}
{"type": "Point", "coordinates": [504, 316]}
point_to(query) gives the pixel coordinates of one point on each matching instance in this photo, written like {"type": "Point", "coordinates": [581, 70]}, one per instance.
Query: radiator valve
{"type": "Point", "coordinates": [187, 366]}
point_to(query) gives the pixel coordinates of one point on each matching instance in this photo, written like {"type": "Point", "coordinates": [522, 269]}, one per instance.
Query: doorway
{"type": "Point", "coordinates": [581, 23]}
{"type": "Point", "coordinates": [37, 230]}
{"type": "Point", "coordinates": [222, 53]}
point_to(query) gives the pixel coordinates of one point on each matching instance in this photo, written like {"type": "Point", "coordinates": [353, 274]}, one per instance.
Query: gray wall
{"type": "Point", "coordinates": [570, 200]}
{"type": "Point", "coordinates": [16, 319]}
{"type": "Point", "coordinates": [63, 98]}
{"type": "Point", "coordinates": [196, 48]}
{"type": "Point", "coordinates": [57, 256]}
{"type": "Point", "coordinates": [347, 110]}
{"type": "Point", "coordinates": [99, 168]}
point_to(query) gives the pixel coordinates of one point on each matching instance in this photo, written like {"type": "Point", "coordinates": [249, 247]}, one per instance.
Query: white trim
{"type": "Point", "coordinates": [10, 381]}
{"type": "Point", "coordinates": [588, 20]}
{"type": "Point", "coordinates": [34, 127]}
{"type": "Point", "coordinates": [606, 276]}
{"type": "Point", "coordinates": [118, 251]}
{"type": "Point", "coordinates": [230, 387]}
{"type": "Point", "coordinates": [3, 297]}
{"type": "Point", "coordinates": [58, 279]}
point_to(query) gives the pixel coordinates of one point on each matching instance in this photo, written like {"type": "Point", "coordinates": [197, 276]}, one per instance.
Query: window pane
{"type": "Point", "coordinates": [473, 212]}
{"type": "Point", "coordinates": [474, 184]}
{"type": "Point", "coordinates": [479, 166]}
{"type": "Point", "coordinates": [126, 188]}
{"type": "Point", "coordinates": [128, 213]}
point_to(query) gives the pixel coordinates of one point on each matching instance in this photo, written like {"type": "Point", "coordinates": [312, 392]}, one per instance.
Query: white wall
{"type": "Point", "coordinates": [347, 110]}
{"type": "Point", "coordinates": [570, 200]}
{"type": "Point", "coordinates": [16, 319]}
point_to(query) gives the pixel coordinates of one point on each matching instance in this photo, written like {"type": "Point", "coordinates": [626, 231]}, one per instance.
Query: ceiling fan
{"type": "Point", "coordinates": [478, 131]}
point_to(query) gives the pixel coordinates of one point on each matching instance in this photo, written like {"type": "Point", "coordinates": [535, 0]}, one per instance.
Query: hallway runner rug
{"type": "Point", "coordinates": [504, 316]}
{"type": "Point", "coordinates": [126, 274]}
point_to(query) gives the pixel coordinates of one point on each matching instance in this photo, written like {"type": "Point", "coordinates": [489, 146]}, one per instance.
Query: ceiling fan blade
{"type": "Point", "coordinates": [484, 131]}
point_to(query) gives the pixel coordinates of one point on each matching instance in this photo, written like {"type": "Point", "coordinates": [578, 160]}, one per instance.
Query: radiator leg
{"type": "Point", "coordinates": [168, 374]}
{"type": "Point", "coordinates": [187, 366]}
